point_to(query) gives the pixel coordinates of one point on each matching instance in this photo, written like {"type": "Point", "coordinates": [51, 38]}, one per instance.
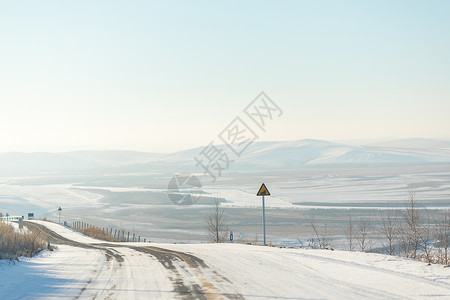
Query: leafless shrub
{"type": "Point", "coordinates": [98, 233]}
{"type": "Point", "coordinates": [322, 240]}
{"type": "Point", "coordinates": [363, 237]}
{"type": "Point", "coordinates": [24, 243]}
{"type": "Point", "coordinates": [403, 240]}
{"type": "Point", "coordinates": [388, 228]}
{"type": "Point", "coordinates": [350, 234]}
{"type": "Point", "coordinates": [215, 224]}
{"type": "Point", "coordinates": [426, 235]}
{"type": "Point", "coordinates": [443, 239]}
{"type": "Point", "coordinates": [411, 232]}
{"type": "Point", "coordinates": [410, 240]}
{"type": "Point", "coordinates": [255, 240]}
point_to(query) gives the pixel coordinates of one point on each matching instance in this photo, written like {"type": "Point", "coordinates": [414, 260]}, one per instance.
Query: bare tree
{"type": "Point", "coordinates": [350, 234]}
{"type": "Point", "coordinates": [403, 239]}
{"type": "Point", "coordinates": [443, 236]}
{"type": "Point", "coordinates": [388, 228]}
{"type": "Point", "coordinates": [215, 224]}
{"type": "Point", "coordinates": [363, 236]}
{"type": "Point", "coordinates": [411, 232]}
{"type": "Point", "coordinates": [426, 232]}
{"type": "Point", "coordinates": [322, 240]}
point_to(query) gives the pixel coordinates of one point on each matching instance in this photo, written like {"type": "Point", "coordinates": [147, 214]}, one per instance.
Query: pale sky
{"type": "Point", "coordinates": [169, 75]}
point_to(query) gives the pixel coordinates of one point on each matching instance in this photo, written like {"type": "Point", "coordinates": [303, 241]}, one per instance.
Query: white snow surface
{"type": "Point", "coordinates": [252, 272]}
{"type": "Point", "coordinates": [269, 272]}
{"type": "Point", "coordinates": [17, 227]}
{"type": "Point", "coordinates": [78, 273]}
{"type": "Point", "coordinates": [48, 196]}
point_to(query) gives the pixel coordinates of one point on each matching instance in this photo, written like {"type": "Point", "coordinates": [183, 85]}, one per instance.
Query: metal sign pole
{"type": "Point", "coordinates": [264, 220]}
{"type": "Point", "coordinates": [263, 191]}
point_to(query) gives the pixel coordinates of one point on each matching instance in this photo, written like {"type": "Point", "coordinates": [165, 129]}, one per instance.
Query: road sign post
{"type": "Point", "coordinates": [263, 191]}
{"type": "Point", "coordinates": [264, 220]}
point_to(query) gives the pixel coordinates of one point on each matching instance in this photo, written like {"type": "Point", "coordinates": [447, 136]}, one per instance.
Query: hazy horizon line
{"type": "Point", "coordinates": [351, 142]}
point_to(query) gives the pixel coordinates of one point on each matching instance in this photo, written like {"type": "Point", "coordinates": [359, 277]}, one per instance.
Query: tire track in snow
{"type": "Point", "coordinates": [188, 277]}
{"type": "Point", "coordinates": [203, 289]}
{"type": "Point", "coordinates": [55, 238]}
{"type": "Point", "coordinates": [373, 268]}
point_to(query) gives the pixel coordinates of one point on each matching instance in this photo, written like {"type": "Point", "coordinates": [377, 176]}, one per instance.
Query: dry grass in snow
{"type": "Point", "coordinates": [19, 243]}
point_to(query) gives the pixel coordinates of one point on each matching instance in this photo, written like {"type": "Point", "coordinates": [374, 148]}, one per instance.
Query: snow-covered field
{"type": "Point", "coordinates": [139, 202]}
{"type": "Point", "coordinates": [309, 188]}
{"type": "Point", "coordinates": [309, 192]}
{"type": "Point", "coordinates": [337, 188]}
{"type": "Point", "coordinates": [234, 271]}
{"type": "Point", "coordinates": [45, 198]}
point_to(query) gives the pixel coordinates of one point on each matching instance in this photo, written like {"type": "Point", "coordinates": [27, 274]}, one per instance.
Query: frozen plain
{"type": "Point", "coordinates": [140, 203]}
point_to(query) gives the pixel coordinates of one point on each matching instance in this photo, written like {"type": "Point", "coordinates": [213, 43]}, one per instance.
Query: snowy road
{"type": "Point", "coordinates": [85, 268]}
{"type": "Point", "coordinates": [132, 270]}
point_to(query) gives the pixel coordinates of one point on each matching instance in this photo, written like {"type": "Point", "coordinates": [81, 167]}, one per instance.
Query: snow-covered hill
{"type": "Point", "coordinates": [426, 144]}
{"type": "Point", "coordinates": [259, 155]}
{"type": "Point", "coordinates": [313, 152]}
{"type": "Point", "coordinates": [309, 153]}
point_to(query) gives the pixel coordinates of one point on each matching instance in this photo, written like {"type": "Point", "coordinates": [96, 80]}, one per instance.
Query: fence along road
{"type": "Point", "coordinates": [189, 275]}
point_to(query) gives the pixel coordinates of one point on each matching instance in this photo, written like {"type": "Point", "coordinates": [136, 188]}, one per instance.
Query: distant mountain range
{"type": "Point", "coordinates": [260, 155]}
{"type": "Point", "coordinates": [413, 144]}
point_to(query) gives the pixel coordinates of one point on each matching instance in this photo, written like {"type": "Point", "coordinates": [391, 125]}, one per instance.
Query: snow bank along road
{"type": "Point", "coordinates": [85, 268]}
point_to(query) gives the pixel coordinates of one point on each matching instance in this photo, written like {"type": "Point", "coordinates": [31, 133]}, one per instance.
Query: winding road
{"type": "Point", "coordinates": [86, 268]}
{"type": "Point", "coordinates": [188, 274]}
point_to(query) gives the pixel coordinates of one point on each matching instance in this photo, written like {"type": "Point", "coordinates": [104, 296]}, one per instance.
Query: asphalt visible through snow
{"type": "Point", "coordinates": [188, 274]}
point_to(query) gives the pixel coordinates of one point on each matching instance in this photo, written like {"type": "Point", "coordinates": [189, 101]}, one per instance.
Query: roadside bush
{"type": "Point", "coordinates": [14, 243]}
{"type": "Point", "coordinates": [99, 234]}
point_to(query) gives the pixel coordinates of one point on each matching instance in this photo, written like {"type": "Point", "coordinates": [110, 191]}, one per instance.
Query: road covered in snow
{"type": "Point", "coordinates": [86, 268]}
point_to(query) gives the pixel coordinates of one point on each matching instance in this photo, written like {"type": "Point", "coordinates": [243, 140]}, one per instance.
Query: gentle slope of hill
{"type": "Point", "coordinates": [267, 155]}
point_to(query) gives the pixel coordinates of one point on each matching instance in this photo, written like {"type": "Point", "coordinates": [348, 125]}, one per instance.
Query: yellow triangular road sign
{"type": "Point", "coordinates": [263, 191]}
